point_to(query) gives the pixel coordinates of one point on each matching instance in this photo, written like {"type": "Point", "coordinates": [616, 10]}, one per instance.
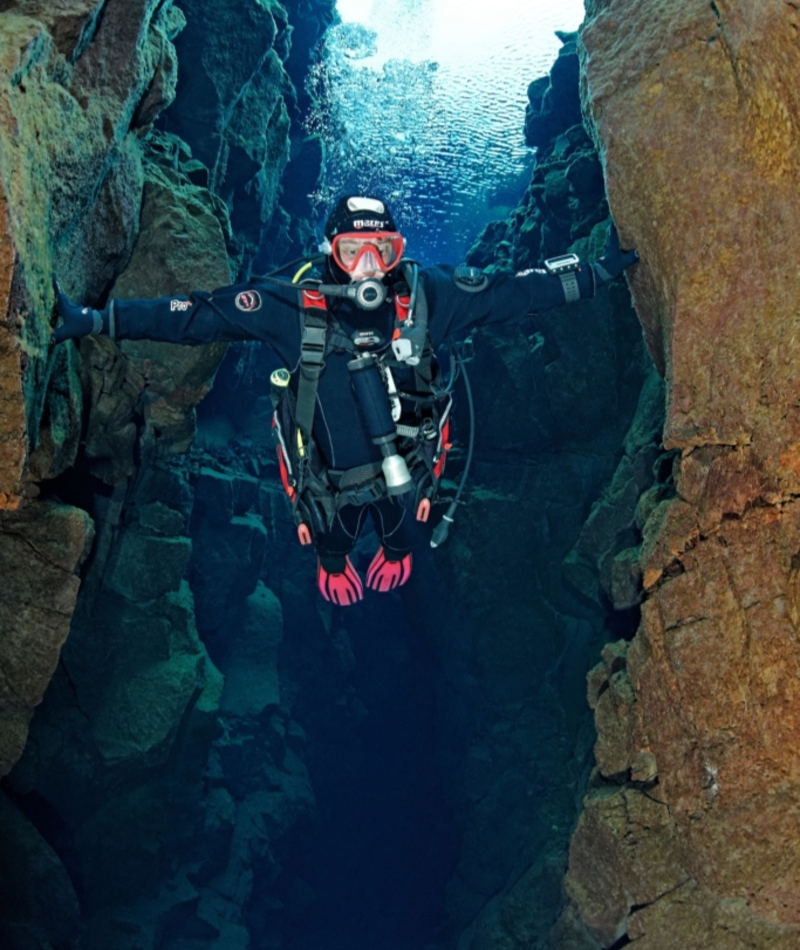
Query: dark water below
{"type": "Point", "coordinates": [380, 850]}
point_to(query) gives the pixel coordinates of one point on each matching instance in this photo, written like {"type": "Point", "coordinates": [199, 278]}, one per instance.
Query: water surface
{"type": "Point", "coordinates": [425, 101]}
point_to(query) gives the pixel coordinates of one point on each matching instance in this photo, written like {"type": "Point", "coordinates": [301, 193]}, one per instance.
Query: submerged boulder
{"type": "Point", "coordinates": [38, 904]}
{"type": "Point", "coordinates": [233, 110]}
{"type": "Point", "coordinates": [250, 666]}
{"type": "Point", "coordinates": [554, 100]}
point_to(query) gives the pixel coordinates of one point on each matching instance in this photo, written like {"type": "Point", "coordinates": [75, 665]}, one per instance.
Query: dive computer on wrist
{"type": "Point", "coordinates": [565, 268]}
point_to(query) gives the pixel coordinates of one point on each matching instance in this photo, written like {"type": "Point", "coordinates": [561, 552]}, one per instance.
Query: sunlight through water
{"type": "Point", "coordinates": [423, 101]}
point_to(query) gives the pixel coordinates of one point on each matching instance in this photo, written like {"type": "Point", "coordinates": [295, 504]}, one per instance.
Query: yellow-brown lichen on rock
{"type": "Point", "coordinates": [612, 698]}
{"type": "Point", "coordinates": [13, 443]}
{"type": "Point", "coordinates": [622, 855]}
{"type": "Point", "coordinates": [697, 116]}
{"type": "Point", "coordinates": [698, 124]}
{"type": "Point", "coordinates": [70, 168]}
{"type": "Point", "coordinates": [71, 182]}
{"type": "Point", "coordinates": [715, 669]}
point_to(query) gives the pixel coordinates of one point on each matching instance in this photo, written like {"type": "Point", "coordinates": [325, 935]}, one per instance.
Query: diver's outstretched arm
{"type": "Point", "coordinates": [228, 314]}
{"type": "Point", "coordinates": [506, 298]}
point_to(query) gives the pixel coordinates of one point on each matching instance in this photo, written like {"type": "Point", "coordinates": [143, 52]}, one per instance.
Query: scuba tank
{"type": "Point", "coordinates": [376, 414]}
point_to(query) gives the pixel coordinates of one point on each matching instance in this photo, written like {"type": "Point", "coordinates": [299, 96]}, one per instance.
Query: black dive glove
{"type": "Point", "coordinates": [613, 261]}
{"type": "Point", "coordinates": [76, 321]}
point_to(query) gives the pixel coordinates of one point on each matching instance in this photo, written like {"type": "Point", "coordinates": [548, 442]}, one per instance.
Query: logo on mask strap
{"type": "Point", "coordinates": [179, 305]}
{"type": "Point", "coordinates": [248, 301]}
{"type": "Point", "coordinates": [370, 223]}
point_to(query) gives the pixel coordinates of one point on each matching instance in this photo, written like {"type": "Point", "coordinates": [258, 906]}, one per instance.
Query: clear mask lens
{"type": "Point", "coordinates": [368, 253]}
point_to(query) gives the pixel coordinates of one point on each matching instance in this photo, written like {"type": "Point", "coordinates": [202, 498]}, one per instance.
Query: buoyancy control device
{"type": "Point", "coordinates": [411, 428]}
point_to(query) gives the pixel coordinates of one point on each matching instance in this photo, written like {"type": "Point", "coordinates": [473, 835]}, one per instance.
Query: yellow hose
{"type": "Point", "coordinates": [307, 266]}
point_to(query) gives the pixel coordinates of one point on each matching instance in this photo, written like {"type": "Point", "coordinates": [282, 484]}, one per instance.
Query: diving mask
{"type": "Point", "coordinates": [373, 252]}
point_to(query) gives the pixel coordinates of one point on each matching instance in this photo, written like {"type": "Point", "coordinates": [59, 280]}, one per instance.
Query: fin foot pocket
{"type": "Point", "coordinates": [384, 574]}
{"type": "Point", "coordinates": [342, 585]}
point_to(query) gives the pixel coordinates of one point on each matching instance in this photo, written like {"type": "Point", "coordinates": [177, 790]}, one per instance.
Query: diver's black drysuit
{"type": "Point", "coordinates": [274, 315]}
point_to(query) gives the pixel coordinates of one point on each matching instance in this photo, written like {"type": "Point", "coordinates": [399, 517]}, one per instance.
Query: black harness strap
{"type": "Point", "coordinates": [312, 363]}
{"type": "Point", "coordinates": [423, 372]}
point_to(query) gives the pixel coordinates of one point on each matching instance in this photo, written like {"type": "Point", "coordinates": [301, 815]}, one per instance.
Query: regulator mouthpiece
{"type": "Point", "coordinates": [369, 294]}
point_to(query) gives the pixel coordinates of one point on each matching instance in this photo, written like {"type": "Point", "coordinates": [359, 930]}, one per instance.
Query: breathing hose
{"type": "Point", "coordinates": [306, 267]}
{"type": "Point", "coordinates": [442, 530]}
{"type": "Point", "coordinates": [271, 277]}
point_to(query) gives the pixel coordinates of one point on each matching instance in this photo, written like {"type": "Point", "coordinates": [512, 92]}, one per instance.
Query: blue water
{"type": "Point", "coordinates": [380, 849]}
{"type": "Point", "coordinates": [424, 103]}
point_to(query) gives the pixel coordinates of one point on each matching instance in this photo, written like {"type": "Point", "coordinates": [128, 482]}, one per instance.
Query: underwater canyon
{"type": "Point", "coordinates": [196, 751]}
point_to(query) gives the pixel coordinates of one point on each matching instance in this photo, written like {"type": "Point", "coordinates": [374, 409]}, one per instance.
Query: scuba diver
{"type": "Point", "coordinates": [362, 409]}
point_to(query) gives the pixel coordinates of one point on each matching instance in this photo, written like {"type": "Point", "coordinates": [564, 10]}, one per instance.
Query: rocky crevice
{"type": "Point", "coordinates": [170, 769]}
{"type": "Point", "coordinates": [525, 577]}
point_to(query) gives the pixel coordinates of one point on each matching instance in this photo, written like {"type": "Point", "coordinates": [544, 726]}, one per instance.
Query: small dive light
{"type": "Point", "coordinates": [278, 382]}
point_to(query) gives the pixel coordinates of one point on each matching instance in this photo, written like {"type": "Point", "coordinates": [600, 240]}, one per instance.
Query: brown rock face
{"type": "Point", "coordinates": [12, 406]}
{"type": "Point", "coordinates": [39, 549]}
{"type": "Point", "coordinates": [699, 127]}
{"type": "Point", "coordinates": [77, 91]}
{"type": "Point", "coordinates": [690, 831]}
{"type": "Point", "coordinates": [71, 182]}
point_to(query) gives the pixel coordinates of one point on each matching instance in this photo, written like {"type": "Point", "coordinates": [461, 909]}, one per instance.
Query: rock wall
{"type": "Point", "coordinates": [691, 822]}
{"type": "Point", "coordinates": [163, 798]}
{"type": "Point", "coordinates": [125, 771]}
{"type": "Point", "coordinates": [71, 176]}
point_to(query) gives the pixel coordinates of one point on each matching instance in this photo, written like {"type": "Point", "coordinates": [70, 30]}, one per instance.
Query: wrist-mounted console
{"type": "Point", "coordinates": [566, 268]}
